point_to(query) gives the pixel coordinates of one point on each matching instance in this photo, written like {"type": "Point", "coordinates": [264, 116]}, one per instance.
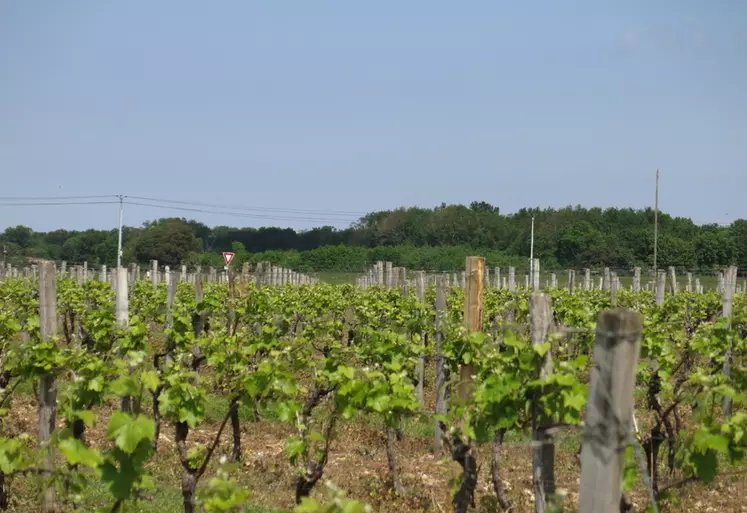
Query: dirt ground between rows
{"type": "Point", "coordinates": [357, 463]}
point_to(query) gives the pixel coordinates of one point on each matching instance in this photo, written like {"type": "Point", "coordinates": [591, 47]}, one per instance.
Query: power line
{"type": "Point", "coordinates": [44, 198]}
{"type": "Point", "coordinates": [245, 207]}
{"type": "Point", "coordinates": [43, 204]}
{"type": "Point", "coordinates": [240, 214]}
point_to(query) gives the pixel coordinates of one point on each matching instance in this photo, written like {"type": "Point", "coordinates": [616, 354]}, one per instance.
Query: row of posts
{"type": "Point", "coordinates": [384, 274]}
{"type": "Point", "coordinates": [264, 273]}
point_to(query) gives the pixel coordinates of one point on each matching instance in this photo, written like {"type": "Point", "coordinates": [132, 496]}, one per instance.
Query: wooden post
{"type": "Point", "coordinates": [609, 412]}
{"type": "Point", "coordinates": [48, 382]}
{"type": "Point", "coordinates": [388, 274]}
{"type": "Point", "coordinates": [543, 454]}
{"type": "Point", "coordinates": [396, 284]}
{"type": "Point", "coordinates": [154, 273]}
{"type": "Point", "coordinates": [535, 274]}
{"type": "Point", "coordinates": [472, 315]}
{"type": "Point", "coordinates": [440, 361]}
{"type": "Point", "coordinates": [672, 281]}
{"type": "Point", "coordinates": [121, 308]}
{"type": "Point", "coordinates": [497, 277]}
{"type": "Point", "coordinates": [122, 303]}
{"type": "Point", "coordinates": [511, 279]}
{"type": "Point", "coordinates": [102, 275]}
{"type": "Point", "coordinates": [244, 277]}
{"type": "Point", "coordinates": [123, 319]}
{"type": "Point", "coordinates": [420, 368]}
{"type": "Point", "coordinates": [587, 279]}
{"type": "Point", "coordinates": [462, 449]}
{"type": "Point", "coordinates": [661, 284]}
{"type": "Point", "coordinates": [85, 272]}
{"type": "Point", "coordinates": [637, 280]}
{"type": "Point", "coordinates": [613, 288]}
{"type": "Point", "coordinates": [606, 279]}
{"type": "Point", "coordinates": [231, 299]}
{"type": "Point", "coordinates": [379, 271]}
{"type": "Point", "coordinates": [698, 287]}
{"type": "Point", "coordinates": [553, 281]}
{"type": "Point", "coordinates": [689, 282]}
{"type": "Point", "coordinates": [730, 280]}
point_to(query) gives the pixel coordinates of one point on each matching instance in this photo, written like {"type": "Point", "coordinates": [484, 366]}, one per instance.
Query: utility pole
{"type": "Point", "coordinates": [656, 224]}
{"type": "Point", "coordinates": [119, 242]}
{"type": "Point", "coordinates": [531, 254]}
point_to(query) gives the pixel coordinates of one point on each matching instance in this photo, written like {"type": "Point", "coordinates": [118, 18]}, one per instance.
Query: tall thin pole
{"type": "Point", "coordinates": [119, 242]}
{"type": "Point", "coordinates": [531, 254]}
{"type": "Point", "coordinates": [656, 224]}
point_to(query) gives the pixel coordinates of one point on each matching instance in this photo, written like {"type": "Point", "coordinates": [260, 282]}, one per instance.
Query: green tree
{"type": "Point", "coordinates": [169, 242]}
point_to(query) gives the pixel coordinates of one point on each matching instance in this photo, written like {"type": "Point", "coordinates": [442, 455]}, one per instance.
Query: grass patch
{"type": "Point", "coordinates": [166, 499]}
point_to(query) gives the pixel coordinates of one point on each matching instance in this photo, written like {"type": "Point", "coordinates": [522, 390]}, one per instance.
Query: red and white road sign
{"type": "Point", "coordinates": [227, 257]}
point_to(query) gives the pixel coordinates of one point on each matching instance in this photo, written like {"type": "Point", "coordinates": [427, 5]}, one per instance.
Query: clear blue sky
{"type": "Point", "coordinates": [358, 106]}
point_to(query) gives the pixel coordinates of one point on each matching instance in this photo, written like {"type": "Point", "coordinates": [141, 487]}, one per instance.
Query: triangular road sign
{"type": "Point", "coordinates": [227, 257]}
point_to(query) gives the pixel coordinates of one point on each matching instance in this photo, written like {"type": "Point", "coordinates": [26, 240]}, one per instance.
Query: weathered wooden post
{"type": "Point", "coordinates": [637, 280]}
{"type": "Point", "coordinates": [661, 284]}
{"type": "Point", "coordinates": [388, 278]}
{"type": "Point", "coordinates": [730, 280]}
{"type": "Point", "coordinates": [613, 288]}
{"type": "Point", "coordinates": [154, 273]}
{"type": "Point", "coordinates": [535, 274]}
{"type": "Point", "coordinates": [48, 382]}
{"type": "Point", "coordinates": [587, 279]}
{"type": "Point", "coordinates": [543, 453]}
{"type": "Point", "coordinates": [606, 279]}
{"type": "Point", "coordinates": [420, 369]}
{"type": "Point", "coordinates": [672, 280]}
{"type": "Point", "coordinates": [609, 412]}
{"type": "Point", "coordinates": [440, 361]}
{"type": "Point", "coordinates": [511, 279]}
{"type": "Point", "coordinates": [461, 447]}
{"type": "Point", "coordinates": [571, 280]}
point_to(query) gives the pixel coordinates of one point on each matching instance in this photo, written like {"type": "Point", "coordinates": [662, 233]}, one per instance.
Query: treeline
{"type": "Point", "coordinates": [418, 238]}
